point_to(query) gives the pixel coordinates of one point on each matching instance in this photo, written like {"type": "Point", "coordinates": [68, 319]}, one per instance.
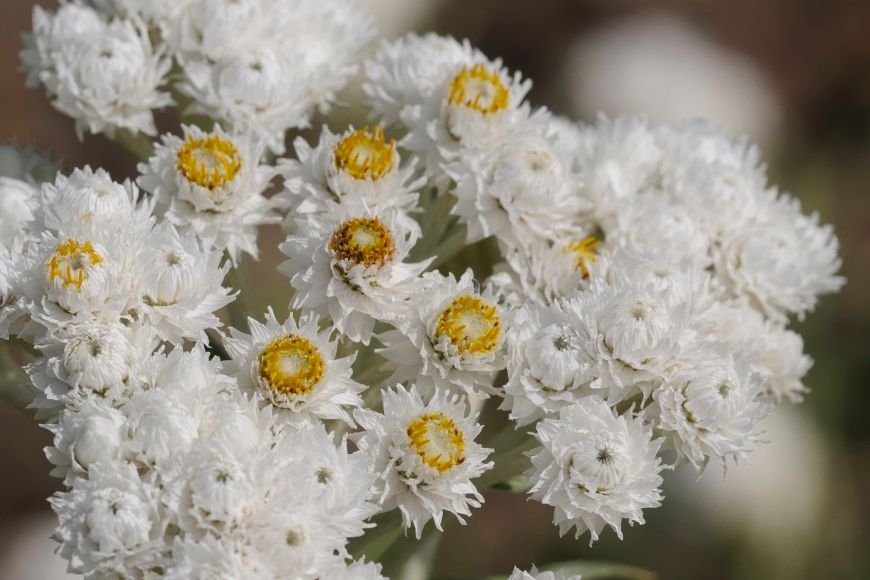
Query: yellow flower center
{"type": "Point", "coordinates": [479, 89]}
{"type": "Point", "coordinates": [291, 365]}
{"type": "Point", "coordinates": [472, 325]}
{"type": "Point", "coordinates": [365, 154]}
{"type": "Point", "coordinates": [363, 241]}
{"type": "Point", "coordinates": [584, 251]}
{"type": "Point", "coordinates": [437, 440]}
{"type": "Point", "coordinates": [210, 162]}
{"type": "Point", "coordinates": [71, 261]}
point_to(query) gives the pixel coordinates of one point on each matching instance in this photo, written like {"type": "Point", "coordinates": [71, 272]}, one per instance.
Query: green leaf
{"type": "Point", "coordinates": [601, 570]}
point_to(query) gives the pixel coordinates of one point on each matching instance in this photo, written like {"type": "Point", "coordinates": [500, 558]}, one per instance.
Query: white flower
{"type": "Point", "coordinates": [105, 75]}
{"type": "Point", "coordinates": [18, 201]}
{"type": "Point", "coordinates": [424, 454]}
{"type": "Point", "coordinates": [781, 260]}
{"type": "Point", "coordinates": [357, 164]}
{"type": "Point", "coordinates": [549, 364]}
{"type": "Point", "coordinates": [710, 409]}
{"type": "Point", "coordinates": [180, 285]}
{"type": "Point", "coordinates": [294, 366]}
{"type": "Point", "coordinates": [451, 337]}
{"type": "Point", "coordinates": [534, 574]}
{"type": "Point", "coordinates": [596, 468]}
{"type": "Point", "coordinates": [209, 558]}
{"type": "Point", "coordinates": [93, 433]}
{"type": "Point", "coordinates": [109, 524]}
{"type": "Point", "coordinates": [357, 570]}
{"type": "Point", "coordinates": [522, 190]}
{"type": "Point", "coordinates": [161, 13]}
{"type": "Point", "coordinates": [351, 267]}
{"type": "Point", "coordinates": [213, 184]}
{"type": "Point", "coordinates": [263, 66]}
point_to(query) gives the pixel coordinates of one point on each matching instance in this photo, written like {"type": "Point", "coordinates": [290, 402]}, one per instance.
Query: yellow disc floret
{"type": "Point", "coordinates": [585, 253]}
{"type": "Point", "coordinates": [365, 154]}
{"type": "Point", "coordinates": [210, 162]}
{"type": "Point", "coordinates": [437, 440]}
{"type": "Point", "coordinates": [471, 325]}
{"type": "Point", "coordinates": [71, 261]}
{"type": "Point", "coordinates": [480, 89]}
{"type": "Point", "coordinates": [363, 241]}
{"type": "Point", "coordinates": [291, 365]}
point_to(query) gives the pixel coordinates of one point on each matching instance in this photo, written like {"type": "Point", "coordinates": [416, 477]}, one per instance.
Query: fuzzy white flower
{"type": "Point", "coordinates": [710, 409]}
{"type": "Point", "coordinates": [596, 468]}
{"type": "Point", "coordinates": [160, 13]}
{"type": "Point", "coordinates": [451, 337]}
{"type": "Point", "coordinates": [110, 523]}
{"type": "Point", "coordinates": [93, 433]}
{"type": "Point", "coordinates": [424, 454]}
{"type": "Point", "coordinates": [520, 191]}
{"type": "Point", "coordinates": [105, 75]}
{"type": "Point", "coordinates": [212, 183]}
{"type": "Point", "coordinates": [294, 366]}
{"type": "Point", "coordinates": [180, 285]}
{"type": "Point", "coordinates": [211, 557]}
{"type": "Point", "coordinates": [781, 261]}
{"type": "Point", "coordinates": [263, 66]}
{"type": "Point", "coordinates": [18, 202]}
{"type": "Point", "coordinates": [351, 267]}
{"type": "Point", "coordinates": [534, 574]}
{"type": "Point", "coordinates": [549, 364]}
{"type": "Point", "coordinates": [357, 570]}
{"type": "Point", "coordinates": [357, 164]}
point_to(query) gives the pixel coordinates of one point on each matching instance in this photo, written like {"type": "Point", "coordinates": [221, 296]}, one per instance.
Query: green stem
{"type": "Point", "coordinates": [12, 382]}
{"type": "Point", "coordinates": [239, 309]}
{"type": "Point", "coordinates": [138, 145]}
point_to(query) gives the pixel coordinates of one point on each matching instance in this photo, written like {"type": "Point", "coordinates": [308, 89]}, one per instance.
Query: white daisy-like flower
{"type": "Point", "coordinates": [359, 164]}
{"type": "Point", "coordinates": [351, 267]}
{"type": "Point", "coordinates": [710, 409]}
{"type": "Point", "coordinates": [180, 284]}
{"type": "Point", "coordinates": [18, 203]}
{"type": "Point", "coordinates": [521, 191]}
{"type": "Point", "coordinates": [294, 366]}
{"type": "Point", "coordinates": [93, 433]}
{"type": "Point", "coordinates": [424, 454]}
{"type": "Point", "coordinates": [596, 468]}
{"type": "Point", "coordinates": [781, 261]}
{"type": "Point", "coordinates": [451, 337]}
{"type": "Point", "coordinates": [549, 364]}
{"type": "Point", "coordinates": [211, 557]}
{"type": "Point", "coordinates": [160, 13]}
{"type": "Point", "coordinates": [110, 523]}
{"type": "Point", "coordinates": [534, 574]}
{"type": "Point", "coordinates": [105, 75]}
{"type": "Point", "coordinates": [263, 66]}
{"type": "Point", "coordinates": [213, 183]}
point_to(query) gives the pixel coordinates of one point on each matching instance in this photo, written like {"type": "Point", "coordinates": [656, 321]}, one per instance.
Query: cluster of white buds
{"type": "Point", "coordinates": [635, 319]}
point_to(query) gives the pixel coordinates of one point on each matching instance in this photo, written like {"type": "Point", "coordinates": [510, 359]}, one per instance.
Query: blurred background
{"type": "Point", "coordinates": [792, 74]}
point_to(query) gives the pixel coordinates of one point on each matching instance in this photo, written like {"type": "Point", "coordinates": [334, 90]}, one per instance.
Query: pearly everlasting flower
{"type": "Point", "coordinates": [356, 570]}
{"type": "Point", "coordinates": [521, 191]}
{"type": "Point", "coordinates": [180, 285]}
{"type": "Point", "coordinates": [160, 13]}
{"type": "Point", "coordinates": [424, 454]}
{"type": "Point", "coordinates": [262, 66]}
{"type": "Point", "coordinates": [466, 99]}
{"type": "Point", "coordinates": [358, 165]}
{"type": "Point", "coordinates": [95, 433]}
{"type": "Point", "coordinates": [534, 574]}
{"type": "Point", "coordinates": [110, 523]}
{"type": "Point", "coordinates": [781, 260]}
{"type": "Point", "coordinates": [295, 367]}
{"type": "Point", "coordinates": [710, 409]}
{"type": "Point", "coordinates": [452, 336]}
{"type": "Point", "coordinates": [105, 75]}
{"type": "Point", "coordinates": [351, 266]}
{"type": "Point", "coordinates": [596, 468]}
{"type": "Point", "coordinates": [549, 366]}
{"type": "Point", "coordinates": [18, 203]}
{"type": "Point", "coordinates": [211, 183]}
{"type": "Point", "coordinates": [211, 557]}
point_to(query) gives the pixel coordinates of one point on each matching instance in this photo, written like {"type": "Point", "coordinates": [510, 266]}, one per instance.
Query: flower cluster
{"type": "Point", "coordinates": [635, 319]}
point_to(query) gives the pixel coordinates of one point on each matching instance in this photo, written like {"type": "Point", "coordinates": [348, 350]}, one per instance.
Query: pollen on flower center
{"type": "Point", "coordinates": [437, 440]}
{"type": "Point", "coordinates": [291, 365]}
{"type": "Point", "coordinates": [365, 154]}
{"type": "Point", "coordinates": [210, 162]}
{"type": "Point", "coordinates": [584, 251]}
{"type": "Point", "coordinates": [71, 262]}
{"type": "Point", "coordinates": [471, 325]}
{"type": "Point", "coordinates": [479, 89]}
{"type": "Point", "coordinates": [363, 241]}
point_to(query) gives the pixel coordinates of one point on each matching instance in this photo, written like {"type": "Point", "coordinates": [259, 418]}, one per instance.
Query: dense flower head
{"type": "Point", "coordinates": [628, 305]}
